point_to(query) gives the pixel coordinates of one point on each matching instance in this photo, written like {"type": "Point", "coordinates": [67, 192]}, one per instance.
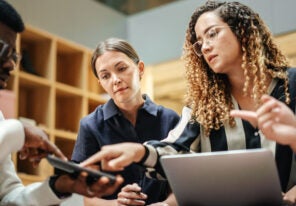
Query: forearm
{"type": "Point", "coordinates": [98, 201]}
{"type": "Point", "coordinates": [179, 140]}
{"type": "Point", "coordinates": [34, 194]}
{"type": "Point", "coordinates": [12, 137]}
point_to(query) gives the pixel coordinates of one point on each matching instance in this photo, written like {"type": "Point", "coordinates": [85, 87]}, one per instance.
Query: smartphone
{"type": "Point", "coordinates": [71, 168]}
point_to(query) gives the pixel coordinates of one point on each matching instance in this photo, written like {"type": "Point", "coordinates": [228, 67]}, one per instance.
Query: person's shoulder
{"type": "Point", "coordinates": [292, 75]}
{"type": "Point", "coordinates": [165, 111]}
{"type": "Point", "coordinates": [160, 108]}
{"type": "Point", "coordinates": [291, 71]}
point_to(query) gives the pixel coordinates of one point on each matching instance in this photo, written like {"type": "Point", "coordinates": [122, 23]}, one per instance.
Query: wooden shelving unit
{"type": "Point", "coordinates": [57, 95]}
{"type": "Point", "coordinates": [56, 89]}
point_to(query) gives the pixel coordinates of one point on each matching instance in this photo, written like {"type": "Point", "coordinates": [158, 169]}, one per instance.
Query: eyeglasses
{"type": "Point", "coordinates": [210, 36]}
{"type": "Point", "coordinates": [7, 53]}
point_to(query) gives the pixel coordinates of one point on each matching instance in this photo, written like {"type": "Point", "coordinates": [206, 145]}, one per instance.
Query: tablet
{"type": "Point", "coordinates": [71, 168]}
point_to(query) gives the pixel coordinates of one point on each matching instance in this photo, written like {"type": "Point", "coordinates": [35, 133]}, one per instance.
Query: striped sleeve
{"type": "Point", "coordinates": [179, 140]}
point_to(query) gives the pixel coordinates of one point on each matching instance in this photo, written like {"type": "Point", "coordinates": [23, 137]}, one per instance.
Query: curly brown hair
{"type": "Point", "coordinates": [208, 93]}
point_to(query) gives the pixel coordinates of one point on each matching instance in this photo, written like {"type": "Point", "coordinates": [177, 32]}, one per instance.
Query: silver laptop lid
{"type": "Point", "coordinates": [230, 178]}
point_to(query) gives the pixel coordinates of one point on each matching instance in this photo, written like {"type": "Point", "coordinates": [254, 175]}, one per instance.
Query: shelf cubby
{"type": "Point", "coordinates": [66, 145]}
{"type": "Point", "coordinates": [69, 64]}
{"type": "Point", "coordinates": [68, 111]}
{"type": "Point", "coordinates": [34, 101]}
{"type": "Point", "coordinates": [37, 51]}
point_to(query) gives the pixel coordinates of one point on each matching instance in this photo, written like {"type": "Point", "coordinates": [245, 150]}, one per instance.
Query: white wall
{"type": "Point", "coordinates": [157, 34]}
{"type": "Point", "coordinates": [83, 21]}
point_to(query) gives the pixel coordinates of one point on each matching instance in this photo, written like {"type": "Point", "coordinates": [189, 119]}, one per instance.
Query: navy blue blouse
{"type": "Point", "coordinates": [106, 125]}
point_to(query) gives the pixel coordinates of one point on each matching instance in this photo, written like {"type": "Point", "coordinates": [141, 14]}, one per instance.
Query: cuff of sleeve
{"type": "Point", "coordinates": [151, 156]}
{"type": "Point", "coordinates": [142, 161]}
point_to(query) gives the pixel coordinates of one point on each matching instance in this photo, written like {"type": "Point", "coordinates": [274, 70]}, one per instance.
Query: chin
{"type": "Point", "coordinates": [217, 69]}
{"type": "Point", "coordinates": [120, 100]}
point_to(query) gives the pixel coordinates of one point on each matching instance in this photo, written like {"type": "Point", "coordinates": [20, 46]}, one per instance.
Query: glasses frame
{"type": "Point", "coordinates": [197, 46]}
{"type": "Point", "coordinates": [7, 52]}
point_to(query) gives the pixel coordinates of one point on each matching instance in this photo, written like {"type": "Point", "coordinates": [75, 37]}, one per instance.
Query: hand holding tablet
{"type": "Point", "coordinates": [71, 168]}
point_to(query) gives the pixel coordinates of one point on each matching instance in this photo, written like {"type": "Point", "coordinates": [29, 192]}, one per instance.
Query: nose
{"type": "Point", "coordinates": [7, 65]}
{"type": "Point", "coordinates": [206, 46]}
{"type": "Point", "coordinates": [116, 79]}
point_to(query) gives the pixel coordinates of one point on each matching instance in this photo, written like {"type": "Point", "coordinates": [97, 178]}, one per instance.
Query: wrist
{"type": "Point", "coordinates": [114, 202]}
{"type": "Point", "coordinates": [142, 153]}
{"type": "Point", "coordinates": [294, 122]}
{"type": "Point", "coordinates": [59, 185]}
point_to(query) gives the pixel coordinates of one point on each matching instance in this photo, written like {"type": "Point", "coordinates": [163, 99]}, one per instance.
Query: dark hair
{"type": "Point", "coordinates": [113, 44]}
{"type": "Point", "coordinates": [10, 17]}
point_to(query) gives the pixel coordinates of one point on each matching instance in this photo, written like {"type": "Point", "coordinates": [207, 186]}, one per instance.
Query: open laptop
{"type": "Point", "coordinates": [228, 178]}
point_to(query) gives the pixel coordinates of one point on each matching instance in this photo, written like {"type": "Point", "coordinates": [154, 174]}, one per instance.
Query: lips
{"type": "Point", "coordinates": [211, 57]}
{"type": "Point", "coordinates": [120, 90]}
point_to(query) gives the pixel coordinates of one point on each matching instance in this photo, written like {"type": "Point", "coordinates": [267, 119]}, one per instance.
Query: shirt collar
{"type": "Point", "coordinates": [110, 109]}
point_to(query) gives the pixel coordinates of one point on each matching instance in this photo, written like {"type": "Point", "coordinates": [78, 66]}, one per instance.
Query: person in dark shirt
{"type": "Point", "coordinates": [129, 116]}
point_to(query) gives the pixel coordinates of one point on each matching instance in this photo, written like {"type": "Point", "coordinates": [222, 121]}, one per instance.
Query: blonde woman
{"type": "Point", "coordinates": [129, 116]}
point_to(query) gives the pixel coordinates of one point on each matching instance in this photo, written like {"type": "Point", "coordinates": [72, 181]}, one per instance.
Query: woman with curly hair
{"type": "Point", "coordinates": [231, 61]}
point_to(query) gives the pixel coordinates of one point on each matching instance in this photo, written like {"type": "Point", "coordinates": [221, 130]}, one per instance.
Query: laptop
{"type": "Point", "coordinates": [228, 178]}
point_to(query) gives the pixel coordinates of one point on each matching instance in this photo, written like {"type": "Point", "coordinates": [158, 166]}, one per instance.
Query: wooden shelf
{"type": "Point", "coordinates": [33, 79]}
{"type": "Point", "coordinates": [37, 49]}
{"type": "Point", "coordinates": [65, 144]}
{"type": "Point", "coordinates": [55, 87]}
{"type": "Point", "coordinates": [27, 179]}
{"type": "Point", "coordinates": [65, 134]}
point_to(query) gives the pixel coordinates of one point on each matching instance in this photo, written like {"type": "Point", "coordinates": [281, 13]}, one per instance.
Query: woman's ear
{"type": "Point", "coordinates": [141, 67]}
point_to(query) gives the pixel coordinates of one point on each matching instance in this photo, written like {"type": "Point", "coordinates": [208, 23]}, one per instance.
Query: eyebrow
{"type": "Point", "coordinates": [118, 63]}
{"type": "Point", "coordinates": [207, 29]}
{"type": "Point", "coordinates": [105, 70]}
{"type": "Point", "coordinates": [101, 71]}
